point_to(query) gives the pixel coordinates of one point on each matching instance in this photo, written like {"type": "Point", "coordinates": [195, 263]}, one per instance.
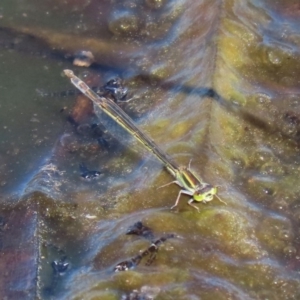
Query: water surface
{"type": "Point", "coordinates": [215, 82]}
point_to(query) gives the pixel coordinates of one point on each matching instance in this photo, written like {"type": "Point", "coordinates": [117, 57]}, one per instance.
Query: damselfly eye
{"type": "Point", "coordinates": [208, 197]}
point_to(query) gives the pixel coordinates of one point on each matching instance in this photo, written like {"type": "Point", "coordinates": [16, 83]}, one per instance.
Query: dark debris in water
{"type": "Point", "coordinates": [60, 266]}
{"type": "Point", "coordinates": [140, 229]}
{"type": "Point", "coordinates": [88, 174]}
{"type": "Point", "coordinates": [144, 231]}
{"type": "Point", "coordinates": [113, 89]}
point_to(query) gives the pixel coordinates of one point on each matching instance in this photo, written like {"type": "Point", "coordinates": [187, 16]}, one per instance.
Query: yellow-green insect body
{"type": "Point", "coordinates": [193, 186]}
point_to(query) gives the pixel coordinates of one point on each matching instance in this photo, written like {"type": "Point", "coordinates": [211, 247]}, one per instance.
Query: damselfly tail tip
{"type": "Point", "coordinates": [69, 73]}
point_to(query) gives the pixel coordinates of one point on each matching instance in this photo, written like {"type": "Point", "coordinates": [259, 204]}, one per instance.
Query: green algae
{"type": "Point", "coordinates": [231, 231]}
{"type": "Point", "coordinates": [131, 280]}
{"type": "Point", "coordinates": [277, 234]}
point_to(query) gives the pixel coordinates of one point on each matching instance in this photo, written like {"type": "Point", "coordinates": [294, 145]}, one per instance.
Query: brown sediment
{"type": "Point", "coordinates": [82, 110]}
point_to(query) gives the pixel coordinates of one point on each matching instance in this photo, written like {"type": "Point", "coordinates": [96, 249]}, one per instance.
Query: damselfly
{"type": "Point", "coordinates": [189, 182]}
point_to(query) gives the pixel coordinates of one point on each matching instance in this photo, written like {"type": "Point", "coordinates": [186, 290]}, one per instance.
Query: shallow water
{"type": "Point", "coordinates": [215, 82]}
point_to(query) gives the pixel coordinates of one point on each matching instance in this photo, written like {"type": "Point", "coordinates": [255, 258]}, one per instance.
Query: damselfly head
{"type": "Point", "coordinates": [205, 193]}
